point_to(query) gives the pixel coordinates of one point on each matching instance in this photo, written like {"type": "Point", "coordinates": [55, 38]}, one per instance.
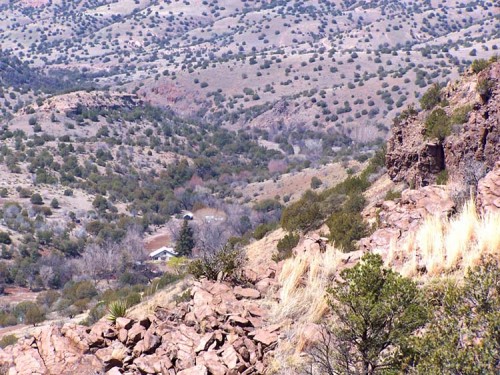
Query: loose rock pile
{"type": "Point", "coordinates": [220, 330]}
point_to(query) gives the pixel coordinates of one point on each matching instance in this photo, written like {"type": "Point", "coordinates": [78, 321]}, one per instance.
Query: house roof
{"type": "Point", "coordinates": [162, 250]}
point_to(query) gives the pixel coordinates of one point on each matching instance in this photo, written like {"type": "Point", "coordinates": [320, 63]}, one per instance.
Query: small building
{"type": "Point", "coordinates": [163, 253]}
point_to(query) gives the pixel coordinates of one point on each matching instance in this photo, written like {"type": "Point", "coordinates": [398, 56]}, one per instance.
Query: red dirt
{"type": "Point", "coordinates": [17, 294]}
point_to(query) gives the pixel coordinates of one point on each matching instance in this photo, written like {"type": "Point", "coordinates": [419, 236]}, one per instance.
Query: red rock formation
{"type": "Point", "coordinates": [488, 191]}
{"type": "Point", "coordinates": [417, 160]}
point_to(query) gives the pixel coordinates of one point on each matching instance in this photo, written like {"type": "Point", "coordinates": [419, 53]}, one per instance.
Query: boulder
{"type": "Point", "coordinates": [135, 334]}
{"type": "Point", "coordinates": [195, 370]}
{"type": "Point", "coordinates": [488, 191]}
{"type": "Point", "coordinates": [230, 357]}
{"type": "Point", "coordinates": [124, 323]}
{"type": "Point", "coordinates": [248, 293]}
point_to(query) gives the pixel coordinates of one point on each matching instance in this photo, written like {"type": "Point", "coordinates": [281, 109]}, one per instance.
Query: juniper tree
{"type": "Point", "coordinates": [185, 243]}
{"type": "Point", "coordinates": [464, 335]}
{"type": "Point", "coordinates": [375, 312]}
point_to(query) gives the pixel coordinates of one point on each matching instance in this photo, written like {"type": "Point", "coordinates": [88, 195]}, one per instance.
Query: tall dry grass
{"type": "Point", "coordinates": [447, 245]}
{"type": "Point", "coordinates": [304, 280]}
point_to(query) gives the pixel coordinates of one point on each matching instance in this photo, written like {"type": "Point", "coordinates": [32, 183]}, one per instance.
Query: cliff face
{"type": "Point", "coordinates": [470, 155]}
{"type": "Point", "coordinates": [469, 152]}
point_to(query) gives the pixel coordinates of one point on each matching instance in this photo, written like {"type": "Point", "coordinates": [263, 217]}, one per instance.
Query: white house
{"type": "Point", "coordinates": [163, 253]}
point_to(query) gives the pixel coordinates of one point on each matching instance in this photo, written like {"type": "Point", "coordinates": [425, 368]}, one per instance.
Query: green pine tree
{"type": "Point", "coordinates": [185, 244]}
{"type": "Point", "coordinates": [375, 311]}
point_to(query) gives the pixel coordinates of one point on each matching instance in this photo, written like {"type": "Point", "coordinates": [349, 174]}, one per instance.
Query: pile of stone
{"type": "Point", "coordinates": [222, 329]}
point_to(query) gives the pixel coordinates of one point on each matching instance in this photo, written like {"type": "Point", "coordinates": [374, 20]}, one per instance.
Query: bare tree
{"type": "Point", "coordinates": [211, 236]}
{"type": "Point", "coordinates": [473, 171]}
{"type": "Point", "coordinates": [173, 228]}
{"type": "Point", "coordinates": [99, 261]}
{"type": "Point", "coordinates": [46, 275]}
{"type": "Point", "coordinates": [133, 246]}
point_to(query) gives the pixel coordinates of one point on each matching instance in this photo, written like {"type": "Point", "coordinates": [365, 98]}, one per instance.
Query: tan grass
{"type": "Point", "coordinates": [447, 245]}
{"type": "Point", "coordinates": [460, 234]}
{"type": "Point", "coordinates": [303, 281]}
{"type": "Point", "coordinates": [302, 299]}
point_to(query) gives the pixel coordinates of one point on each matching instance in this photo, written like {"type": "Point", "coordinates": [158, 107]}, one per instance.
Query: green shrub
{"type": "Point", "coordinates": [222, 264]}
{"type": "Point", "coordinates": [133, 299]}
{"type": "Point", "coordinates": [479, 65]}
{"type": "Point", "coordinates": [285, 246]}
{"type": "Point", "coordinates": [392, 195]}
{"type": "Point", "coordinates": [4, 193]}
{"type": "Point", "coordinates": [484, 89]}
{"type": "Point", "coordinates": [116, 309]}
{"type": "Point", "coordinates": [132, 278]}
{"type": "Point", "coordinates": [7, 319]}
{"type": "Point", "coordinates": [48, 298]}
{"type": "Point", "coordinates": [462, 337]}
{"type": "Point", "coordinates": [267, 205]}
{"type": "Point", "coordinates": [54, 203]}
{"type": "Point", "coordinates": [346, 228]}
{"type": "Point", "coordinates": [185, 296]}
{"type": "Point", "coordinates": [263, 229]}
{"type": "Point", "coordinates": [36, 199]}
{"type": "Point", "coordinates": [431, 98]}
{"type": "Point", "coordinates": [29, 313]}
{"type": "Point", "coordinates": [5, 238]}
{"type": "Point", "coordinates": [316, 183]}
{"type": "Point", "coordinates": [375, 312]}
{"type": "Point", "coordinates": [461, 115]}
{"type": "Point", "coordinates": [24, 193]}
{"type": "Point", "coordinates": [95, 313]}
{"type": "Point", "coordinates": [167, 279]}
{"type": "Point", "coordinates": [74, 291]}
{"type": "Point", "coordinates": [7, 340]}
{"type": "Point", "coordinates": [303, 215]}
{"type": "Point", "coordinates": [355, 203]}
{"type": "Point", "coordinates": [437, 125]}
{"type": "Point", "coordinates": [178, 265]}
{"type": "Point", "coordinates": [442, 177]}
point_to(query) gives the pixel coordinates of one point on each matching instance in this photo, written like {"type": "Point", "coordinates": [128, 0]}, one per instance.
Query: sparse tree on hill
{"type": "Point", "coordinates": [375, 312]}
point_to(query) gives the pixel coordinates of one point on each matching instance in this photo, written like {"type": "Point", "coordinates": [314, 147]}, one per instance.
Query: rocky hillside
{"type": "Point", "coordinates": [268, 319]}
{"type": "Point", "coordinates": [221, 329]}
{"type": "Point", "coordinates": [468, 111]}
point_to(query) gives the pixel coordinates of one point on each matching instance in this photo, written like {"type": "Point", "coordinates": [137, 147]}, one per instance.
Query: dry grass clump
{"type": "Point", "coordinates": [446, 245]}
{"type": "Point", "coordinates": [303, 281]}
{"type": "Point", "coordinates": [302, 299]}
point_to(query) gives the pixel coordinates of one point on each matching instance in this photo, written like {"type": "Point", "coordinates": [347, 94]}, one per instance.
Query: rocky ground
{"type": "Point", "coordinates": [221, 329]}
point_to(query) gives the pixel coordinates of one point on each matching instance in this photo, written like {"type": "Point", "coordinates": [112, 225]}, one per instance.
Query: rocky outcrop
{"type": "Point", "coordinates": [488, 191]}
{"type": "Point", "coordinates": [221, 330]}
{"type": "Point", "coordinates": [472, 147]}
{"type": "Point", "coordinates": [395, 219]}
{"type": "Point", "coordinates": [71, 103]}
{"type": "Point", "coordinates": [475, 147]}
{"type": "Point", "coordinates": [410, 157]}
